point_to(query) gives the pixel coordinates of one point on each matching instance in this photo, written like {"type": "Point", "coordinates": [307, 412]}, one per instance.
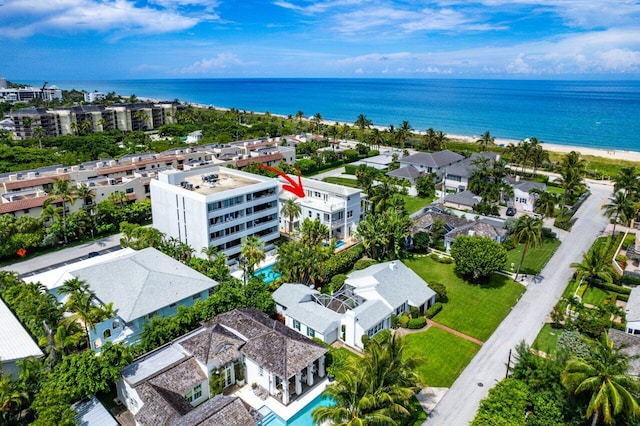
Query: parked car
{"type": "Point", "coordinates": [93, 254]}
{"type": "Point", "coordinates": [511, 211]}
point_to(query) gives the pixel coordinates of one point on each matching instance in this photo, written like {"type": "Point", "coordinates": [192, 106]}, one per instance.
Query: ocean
{"type": "Point", "coordinates": [596, 114]}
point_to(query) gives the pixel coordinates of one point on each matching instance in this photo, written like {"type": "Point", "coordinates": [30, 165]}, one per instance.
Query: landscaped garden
{"type": "Point", "coordinates": [536, 258]}
{"type": "Point", "coordinates": [413, 203]}
{"type": "Point", "coordinates": [443, 355]}
{"type": "Point", "coordinates": [473, 309]}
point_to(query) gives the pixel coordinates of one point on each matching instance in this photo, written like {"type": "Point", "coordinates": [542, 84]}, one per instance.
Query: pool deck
{"type": "Point", "coordinates": [285, 412]}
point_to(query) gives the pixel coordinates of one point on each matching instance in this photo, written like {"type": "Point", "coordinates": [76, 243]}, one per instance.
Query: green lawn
{"type": "Point", "coordinates": [547, 339]}
{"type": "Point", "coordinates": [475, 310]}
{"type": "Point", "coordinates": [413, 203]}
{"type": "Point", "coordinates": [555, 190]}
{"type": "Point", "coordinates": [442, 355]}
{"type": "Point", "coordinates": [535, 258]}
{"type": "Point", "coordinates": [341, 181]}
{"type": "Point", "coordinates": [595, 296]}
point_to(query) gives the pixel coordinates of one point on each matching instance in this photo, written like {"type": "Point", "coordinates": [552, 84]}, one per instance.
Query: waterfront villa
{"type": "Point", "coordinates": [363, 306]}
{"type": "Point", "coordinates": [140, 284]}
{"type": "Point", "coordinates": [175, 382]}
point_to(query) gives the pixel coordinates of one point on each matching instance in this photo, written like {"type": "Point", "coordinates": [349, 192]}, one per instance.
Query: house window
{"type": "Point", "coordinates": [309, 214]}
{"type": "Point", "coordinates": [194, 393]}
{"type": "Point", "coordinates": [261, 371]}
{"type": "Point", "coordinates": [129, 190]}
{"type": "Point", "coordinates": [196, 296]}
{"type": "Point", "coordinates": [296, 324]}
{"type": "Point", "coordinates": [115, 324]}
{"type": "Point", "coordinates": [311, 332]}
{"type": "Point", "coordinates": [106, 334]}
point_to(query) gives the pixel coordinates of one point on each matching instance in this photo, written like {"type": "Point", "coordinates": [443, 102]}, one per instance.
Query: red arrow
{"type": "Point", "coordinates": [294, 188]}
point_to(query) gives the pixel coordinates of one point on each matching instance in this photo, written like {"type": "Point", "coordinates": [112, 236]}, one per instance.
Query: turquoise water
{"type": "Point", "coordinates": [303, 417]}
{"type": "Point", "coordinates": [269, 274]}
{"type": "Point", "coordinates": [599, 114]}
{"type": "Point", "coordinates": [339, 243]}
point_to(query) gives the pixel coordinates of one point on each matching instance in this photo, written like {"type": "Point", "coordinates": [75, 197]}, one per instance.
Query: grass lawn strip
{"type": "Point", "coordinates": [547, 340]}
{"type": "Point", "coordinates": [341, 181]}
{"type": "Point", "coordinates": [536, 257]}
{"type": "Point", "coordinates": [442, 355]}
{"type": "Point", "coordinates": [413, 203]}
{"type": "Point", "coordinates": [475, 310]}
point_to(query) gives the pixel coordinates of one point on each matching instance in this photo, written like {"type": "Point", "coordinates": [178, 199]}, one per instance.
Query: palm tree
{"type": "Point", "coordinates": [103, 123]}
{"type": "Point", "coordinates": [619, 207]}
{"type": "Point", "coordinates": [63, 190]}
{"type": "Point", "coordinates": [595, 264]}
{"type": "Point", "coordinates": [485, 140]}
{"type": "Point", "coordinates": [38, 132]}
{"type": "Point", "coordinates": [11, 399]}
{"type": "Point", "coordinates": [292, 210]}
{"type": "Point", "coordinates": [545, 202]}
{"type": "Point", "coordinates": [312, 232]}
{"type": "Point", "coordinates": [538, 157]}
{"type": "Point", "coordinates": [299, 115]}
{"type": "Point", "coordinates": [317, 118]}
{"type": "Point", "coordinates": [603, 375]}
{"type": "Point", "coordinates": [571, 169]}
{"type": "Point", "coordinates": [362, 122]}
{"type": "Point", "coordinates": [252, 253]}
{"type": "Point", "coordinates": [528, 231]}
{"type": "Point", "coordinates": [404, 131]}
{"type": "Point", "coordinates": [376, 138]}
{"type": "Point", "coordinates": [86, 194]}
{"type": "Point", "coordinates": [627, 179]}
{"type": "Point", "coordinates": [381, 194]}
{"type": "Point", "coordinates": [50, 212]}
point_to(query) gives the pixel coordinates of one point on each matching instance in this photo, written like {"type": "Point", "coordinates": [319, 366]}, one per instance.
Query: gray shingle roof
{"type": "Point", "coordinates": [480, 229]}
{"type": "Point", "coordinates": [426, 220]}
{"type": "Point", "coordinates": [143, 282]}
{"type": "Point", "coordinates": [633, 305]}
{"type": "Point", "coordinates": [396, 283]}
{"type": "Point", "coordinates": [409, 172]}
{"type": "Point", "coordinates": [180, 378]}
{"type": "Point", "coordinates": [466, 167]}
{"type": "Point", "coordinates": [632, 348]}
{"type": "Point", "coordinates": [316, 316]}
{"type": "Point", "coordinates": [220, 410]}
{"type": "Point", "coordinates": [525, 185]}
{"type": "Point", "coordinates": [371, 313]}
{"type": "Point", "coordinates": [288, 295]}
{"type": "Point", "coordinates": [433, 159]}
{"type": "Point", "coordinates": [465, 198]}
{"type": "Point", "coordinates": [214, 343]}
{"type": "Point", "coordinates": [270, 343]}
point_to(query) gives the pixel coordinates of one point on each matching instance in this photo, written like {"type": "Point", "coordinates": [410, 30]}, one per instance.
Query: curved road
{"type": "Point", "coordinates": [460, 403]}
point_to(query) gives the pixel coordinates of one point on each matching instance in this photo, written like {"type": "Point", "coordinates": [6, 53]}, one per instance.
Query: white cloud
{"type": "Point", "coordinates": [24, 18]}
{"type": "Point", "coordinates": [219, 62]}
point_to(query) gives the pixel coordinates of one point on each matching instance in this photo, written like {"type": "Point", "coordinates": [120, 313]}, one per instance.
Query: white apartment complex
{"type": "Point", "coordinates": [216, 206]}
{"type": "Point", "coordinates": [336, 206]}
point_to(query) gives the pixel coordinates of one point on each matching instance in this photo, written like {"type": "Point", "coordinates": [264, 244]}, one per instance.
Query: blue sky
{"type": "Point", "coordinates": [124, 39]}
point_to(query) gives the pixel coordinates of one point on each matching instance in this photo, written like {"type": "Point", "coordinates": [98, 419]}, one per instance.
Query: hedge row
{"type": "Point", "coordinates": [433, 310]}
{"type": "Point", "coordinates": [630, 280]}
{"type": "Point", "coordinates": [611, 287]}
{"type": "Point", "coordinates": [341, 263]}
{"type": "Point", "coordinates": [416, 323]}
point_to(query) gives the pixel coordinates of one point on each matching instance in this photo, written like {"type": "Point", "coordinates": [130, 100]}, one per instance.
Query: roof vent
{"type": "Point", "coordinates": [393, 266]}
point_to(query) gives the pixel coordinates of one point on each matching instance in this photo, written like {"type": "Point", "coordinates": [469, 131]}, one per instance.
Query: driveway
{"type": "Point", "coordinates": [459, 405]}
{"type": "Point", "coordinates": [73, 254]}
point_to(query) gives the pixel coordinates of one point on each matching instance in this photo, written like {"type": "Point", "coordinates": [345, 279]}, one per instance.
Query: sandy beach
{"type": "Point", "coordinates": [613, 154]}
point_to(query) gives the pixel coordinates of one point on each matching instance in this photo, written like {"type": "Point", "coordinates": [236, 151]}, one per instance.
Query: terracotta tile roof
{"type": "Point", "coordinates": [28, 203]}
{"type": "Point", "coordinates": [262, 159]}
{"type": "Point", "coordinates": [117, 169]}
{"type": "Point", "coordinates": [29, 183]}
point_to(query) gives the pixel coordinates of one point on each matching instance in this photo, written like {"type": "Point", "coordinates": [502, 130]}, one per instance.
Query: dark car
{"type": "Point", "coordinates": [93, 254]}
{"type": "Point", "coordinates": [511, 211]}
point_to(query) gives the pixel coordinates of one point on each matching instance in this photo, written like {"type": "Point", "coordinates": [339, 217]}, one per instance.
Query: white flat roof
{"type": "Point", "coordinates": [15, 342]}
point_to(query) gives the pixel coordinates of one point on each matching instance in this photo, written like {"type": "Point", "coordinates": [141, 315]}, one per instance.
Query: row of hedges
{"type": "Point", "coordinates": [629, 279]}
{"type": "Point", "coordinates": [340, 263]}
{"type": "Point", "coordinates": [565, 220]}
{"type": "Point", "coordinates": [611, 287]}
{"type": "Point", "coordinates": [433, 310]}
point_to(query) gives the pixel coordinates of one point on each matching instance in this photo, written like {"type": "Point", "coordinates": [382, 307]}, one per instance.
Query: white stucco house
{"type": "Point", "coordinates": [363, 306]}
{"type": "Point", "coordinates": [172, 383]}
{"type": "Point", "coordinates": [633, 312]}
{"type": "Point", "coordinates": [524, 196]}
{"type": "Point", "coordinates": [15, 342]}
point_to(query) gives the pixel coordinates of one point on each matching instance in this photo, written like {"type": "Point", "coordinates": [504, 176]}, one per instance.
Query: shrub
{"type": "Point", "coordinates": [548, 233]}
{"type": "Point", "coordinates": [433, 310]}
{"type": "Point", "coordinates": [509, 243]}
{"type": "Point", "coordinates": [415, 312]}
{"type": "Point", "coordinates": [441, 259]}
{"type": "Point", "coordinates": [339, 264]}
{"type": "Point", "coordinates": [395, 321]}
{"type": "Point", "coordinates": [629, 240]}
{"type": "Point", "coordinates": [364, 263]}
{"type": "Point", "coordinates": [611, 287]}
{"type": "Point", "coordinates": [350, 169]}
{"type": "Point", "coordinates": [403, 320]}
{"type": "Point", "coordinates": [623, 297]}
{"type": "Point", "coordinates": [622, 260]}
{"type": "Point", "coordinates": [441, 291]}
{"type": "Point", "coordinates": [416, 323]}
{"type": "Point", "coordinates": [628, 279]}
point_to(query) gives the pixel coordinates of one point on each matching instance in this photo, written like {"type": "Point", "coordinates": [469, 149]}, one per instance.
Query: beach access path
{"type": "Point", "coordinates": [459, 405]}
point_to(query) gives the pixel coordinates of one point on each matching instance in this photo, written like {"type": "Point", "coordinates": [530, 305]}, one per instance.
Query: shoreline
{"type": "Point", "coordinates": [624, 155]}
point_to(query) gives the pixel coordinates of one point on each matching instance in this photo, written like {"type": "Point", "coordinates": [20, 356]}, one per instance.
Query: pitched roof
{"type": "Point", "coordinates": [433, 159]}
{"type": "Point", "coordinates": [15, 342]}
{"type": "Point", "coordinates": [27, 203]}
{"type": "Point", "coordinates": [91, 412]}
{"type": "Point", "coordinates": [426, 220]}
{"type": "Point", "coordinates": [405, 172]}
{"type": "Point", "coordinates": [315, 315]}
{"type": "Point", "coordinates": [180, 378]}
{"type": "Point", "coordinates": [261, 159]}
{"type": "Point", "coordinates": [220, 410]}
{"type": "Point", "coordinates": [525, 185]}
{"type": "Point", "coordinates": [394, 282]}
{"type": "Point", "coordinates": [632, 348]}
{"type": "Point", "coordinates": [214, 343]}
{"type": "Point", "coordinates": [465, 198]}
{"type": "Point", "coordinates": [633, 305]}
{"type": "Point", "coordinates": [160, 407]}
{"type": "Point", "coordinates": [143, 282]}
{"type": "Point", "coordinates": [481, 229]}
{"type": "Point", "coordinates": [270, 343]}
{"type": "Point", "coordinates": [371, 313]}
{"type": "Point", "coordinates": [29, 183]}
{"type": "Point", "coordinates": [466, 167]}
{"type": "Point", "coordinates": [288, 295]}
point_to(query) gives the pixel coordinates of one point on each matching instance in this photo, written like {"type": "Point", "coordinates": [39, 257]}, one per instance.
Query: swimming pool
{"type": "Point", "coordinates": [268, 274]}
{"type": "Point", "coordinates": [339, 243]}
{"type": "Point", "coordinates": [302, 417]}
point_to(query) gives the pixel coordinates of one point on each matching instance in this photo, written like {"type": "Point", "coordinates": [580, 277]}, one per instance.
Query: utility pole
{"type": "Point", "coordinates": [508, 365]}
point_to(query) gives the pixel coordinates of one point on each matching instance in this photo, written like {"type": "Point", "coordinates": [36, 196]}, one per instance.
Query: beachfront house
{"type": "Point", "coordinates": [140, 284]}
{"type": "Point", "coordinates": [456, 176]}
{"type": "Point", "coordinates": [236, 347]}
{"type": "Point", "coordinates": [336, 206]}
{"type": "Point", "coordinates": [363, 306]}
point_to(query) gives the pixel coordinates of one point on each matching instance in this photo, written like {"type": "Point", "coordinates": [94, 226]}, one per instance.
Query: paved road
{"type": "Point", "coordinates": [62, 257]}
{"type": "Point", "coordinates": [459, 405]}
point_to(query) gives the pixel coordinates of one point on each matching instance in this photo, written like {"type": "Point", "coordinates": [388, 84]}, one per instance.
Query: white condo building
{"type": "Point", "coordinates": [336, 206]}
{"type": "Point", "coordinates": [216, 206]}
